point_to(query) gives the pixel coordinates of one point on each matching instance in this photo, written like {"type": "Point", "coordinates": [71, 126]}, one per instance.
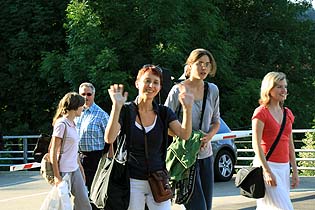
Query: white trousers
{"type": "Point", "coordinates": [140, 194]}
{"type": "Point", "coordinates": [278, 197]}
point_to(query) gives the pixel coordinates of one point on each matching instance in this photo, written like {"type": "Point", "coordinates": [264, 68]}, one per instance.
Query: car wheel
{"type": "Point", "coordinates": [223, 166]}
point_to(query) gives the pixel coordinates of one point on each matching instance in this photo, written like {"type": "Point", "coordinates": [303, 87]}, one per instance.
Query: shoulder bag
{"type": "Point", "coordinates": [110, 189]}
{"type": "Point", "coordinates": [158, 180]}
{"type": "Point", "coordinates": [46, 167]}
{"type": "Point", "coordinates": [250, 180]}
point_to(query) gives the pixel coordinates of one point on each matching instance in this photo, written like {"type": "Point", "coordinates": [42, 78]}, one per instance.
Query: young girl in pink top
{"type": "Point", "coordinates": [266, 123]}
{"type": "Point", "coordinates": [70, 106]}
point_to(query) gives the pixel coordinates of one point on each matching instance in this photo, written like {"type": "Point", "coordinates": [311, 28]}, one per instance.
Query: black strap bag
{"type": "Point", "coordinates": [158, 180]}
{"type": "Point", "coordinates": [250, 180]}
{"type": "Point", "coordinates": [110, 189]}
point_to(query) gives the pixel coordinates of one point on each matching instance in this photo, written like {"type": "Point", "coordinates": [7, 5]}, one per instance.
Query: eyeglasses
{"type": "Point", "coordinates": [153, 67]}
{"type": "Point", "coordinates": [202, 64]}
{"type": "Point", "coordinates": [88, 94]}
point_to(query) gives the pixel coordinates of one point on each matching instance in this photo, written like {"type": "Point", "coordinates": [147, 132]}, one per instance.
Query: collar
{"type": "Point", "coordinates": [91, 108]}
{"type": "Point", "coordinates": [154, 104]}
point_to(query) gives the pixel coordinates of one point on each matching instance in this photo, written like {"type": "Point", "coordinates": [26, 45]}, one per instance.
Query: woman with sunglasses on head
{"type": "Point", "coordinates": [199, 65]}
{"type": "Point", "coordinates": [266, 124]}
{"type": "Point", "coordinates": [147, 124]}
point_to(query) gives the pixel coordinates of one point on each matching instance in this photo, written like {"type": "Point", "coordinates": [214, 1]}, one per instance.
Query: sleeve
{"type": "Point", "coordinates": [172, 98]}
{"type": "Point", "coordinates": [59, 129]}
{"type": "Point", "coordinates": [214, 90]}
{"type": "Point", "coordinates": [259, 114]}
{"type": "Point", "coordinates": [290, 115]}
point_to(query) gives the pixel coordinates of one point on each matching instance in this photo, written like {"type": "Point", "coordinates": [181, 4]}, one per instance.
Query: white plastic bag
{"type": "Point", "coordinates": [52, 200]}
{"type": "Point", "coordinates": [64, 193]}
{"type": "Point", "coordinates": [59, 197]}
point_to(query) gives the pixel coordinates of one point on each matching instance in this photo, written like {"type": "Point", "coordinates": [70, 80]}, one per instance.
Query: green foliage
{"type": "Point", "coordinates": [309, 142]}
{"type": "Point", "coordinates": [47, 48]}
{"type": "Point", "coordinates": [269, 36]}
{"type": "Point", "coordinates": [27, 29]}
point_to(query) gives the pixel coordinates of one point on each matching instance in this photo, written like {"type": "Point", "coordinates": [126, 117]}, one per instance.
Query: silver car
{"type": "Point", "coordinates": [225, 155]}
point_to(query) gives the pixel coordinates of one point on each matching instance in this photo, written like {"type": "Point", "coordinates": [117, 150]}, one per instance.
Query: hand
{"type": "Point", "coordinates": [57, 180]}
{"type": "Point", "coordinates": [295, 180]}
{"type": "Point", "coordinates": [204, 142]}
{"type": "Point", "coordinates": [269, 178]}
{"type": "Point", "coordinates": [116, 94]}
{"type": "Point", "coordinates": [185, 97]}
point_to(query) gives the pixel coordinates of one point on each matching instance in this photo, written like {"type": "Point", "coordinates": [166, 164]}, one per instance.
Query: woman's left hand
{"type": "Point", "coordinates": [295, 180]}
{"type": "Point", "coordinates": [204, 141]}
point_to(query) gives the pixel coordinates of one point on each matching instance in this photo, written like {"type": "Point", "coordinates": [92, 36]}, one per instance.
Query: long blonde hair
{"type": "Point", "coordinates": [270, 81]}
{"type": "Point", "coordinates": [71, 101]}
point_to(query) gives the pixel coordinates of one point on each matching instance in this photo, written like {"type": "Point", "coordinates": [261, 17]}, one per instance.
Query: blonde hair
{"type": "Point", "coordinates": [71, 101]}
{"type": "Point", "coordinates": [269, 81]}
{"type": "Point", "coordinates": [195, 55]}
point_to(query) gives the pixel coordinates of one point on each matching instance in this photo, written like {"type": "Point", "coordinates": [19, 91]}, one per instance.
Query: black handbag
{"type": "Point", "coordinates": [250, 180]}
{"type": "Point", "coordinates": [110, 189]}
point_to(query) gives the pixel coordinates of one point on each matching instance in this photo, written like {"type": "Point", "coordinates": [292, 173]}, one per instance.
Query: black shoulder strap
{"type": "Point", "coordinates": [163, 116]}
{"type": "Point", "coordinates": [204, 100]}
{"type": "Point", "coordinates": [273, 146]}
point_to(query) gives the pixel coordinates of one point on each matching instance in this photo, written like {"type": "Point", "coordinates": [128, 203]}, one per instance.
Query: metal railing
{"type": "Point", "coordinates": [246, 155]}
{"type": "Point", "coordinates": [19, 149]}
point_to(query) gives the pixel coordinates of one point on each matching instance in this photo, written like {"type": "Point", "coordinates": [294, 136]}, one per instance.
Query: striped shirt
{"type": "Point", "coordinates": [91, 128]}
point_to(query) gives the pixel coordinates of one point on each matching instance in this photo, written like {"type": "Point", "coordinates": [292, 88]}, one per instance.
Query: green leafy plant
{"type": "Point", "coordinates": [309, 142]}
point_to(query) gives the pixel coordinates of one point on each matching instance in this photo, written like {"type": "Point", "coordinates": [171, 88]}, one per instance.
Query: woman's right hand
{"type": "Point", "coordinates": [57, 180]}
{"type": "Point", "coordinates": [116, 95]}
{"type": "Point", "coordinates": [269, 178]}
{"type": "Point", "coordinates": [185, 97]}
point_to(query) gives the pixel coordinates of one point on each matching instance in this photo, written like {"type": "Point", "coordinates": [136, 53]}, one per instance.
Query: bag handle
{"type": "Point", "coordinates": [273, 146]}
{"type": "Point", "coordinates": [62, 142]}
{"type": "Point", "coordinates": [145, 143]}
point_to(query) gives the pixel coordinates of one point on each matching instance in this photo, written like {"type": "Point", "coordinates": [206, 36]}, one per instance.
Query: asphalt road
{"type": "Point", "coordinates": [26, 190]}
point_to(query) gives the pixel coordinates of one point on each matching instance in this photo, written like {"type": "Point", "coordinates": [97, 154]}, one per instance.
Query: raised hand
{"type": "Point", "coordinates": [185, 97]}
{"type": "Point", "coordinates": [116, 95]}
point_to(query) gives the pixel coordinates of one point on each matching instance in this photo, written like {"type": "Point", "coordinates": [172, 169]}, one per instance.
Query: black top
{"type": "Point", "coordinates": [156, 142]}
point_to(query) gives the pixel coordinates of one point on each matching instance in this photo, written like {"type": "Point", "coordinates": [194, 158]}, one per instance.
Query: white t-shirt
{"type": "Point", "coordinates": [69, 158]}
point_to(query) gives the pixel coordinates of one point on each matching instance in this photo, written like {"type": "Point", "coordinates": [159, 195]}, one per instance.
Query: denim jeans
{"type": "Point", "coordinates": [81, 199]}
{"type": "Point", "coordinates": [203, 192]}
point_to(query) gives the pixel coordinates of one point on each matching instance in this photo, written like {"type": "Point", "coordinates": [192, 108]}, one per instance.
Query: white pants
{"type": "Point", "coordinates": [140, 194]}
{"type": "Point", "coordinates": [278, 197]}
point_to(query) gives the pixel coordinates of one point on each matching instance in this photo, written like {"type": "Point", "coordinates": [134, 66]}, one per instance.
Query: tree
{"type": "Point", "coordinates": [27, 29]}
{"type": "Point", "coordinates": [270, 36]}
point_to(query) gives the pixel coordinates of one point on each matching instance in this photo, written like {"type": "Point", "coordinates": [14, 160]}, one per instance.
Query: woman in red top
{"type": "Point", "coordinates": [266, 123]}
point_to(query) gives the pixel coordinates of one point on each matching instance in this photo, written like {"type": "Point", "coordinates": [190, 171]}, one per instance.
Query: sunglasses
{"type": "Point", "coordinates": [88, 94]}
{"type": "Point", "coordinates": [153, 67]}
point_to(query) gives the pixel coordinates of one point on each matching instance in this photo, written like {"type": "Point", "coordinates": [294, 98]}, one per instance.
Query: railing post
{"type": "Point", "coordinates": [25, 150]}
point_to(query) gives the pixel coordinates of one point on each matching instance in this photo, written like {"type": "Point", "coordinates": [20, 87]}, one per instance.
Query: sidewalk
{"type": "Point", "coordinates": [26, 190]}
{"type": "Point", "coordinates": [227, 197]}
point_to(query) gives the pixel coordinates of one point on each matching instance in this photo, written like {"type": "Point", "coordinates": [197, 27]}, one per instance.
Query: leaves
{"type": "Point", "coordinates": [47, 48]}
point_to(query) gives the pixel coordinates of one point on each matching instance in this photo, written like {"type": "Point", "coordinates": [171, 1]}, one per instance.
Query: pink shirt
{"type": "Point", "coordinates": [69, 158]}
{"type": "Point", "coordinates": [270, 132]}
